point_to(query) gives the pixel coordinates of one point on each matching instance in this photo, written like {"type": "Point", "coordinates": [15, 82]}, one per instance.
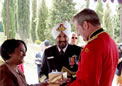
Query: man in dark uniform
{"type": "Point", "coordinates": [61, 56]}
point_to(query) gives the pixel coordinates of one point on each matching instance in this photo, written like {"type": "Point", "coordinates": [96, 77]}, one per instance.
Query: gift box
{"type": "Point", "coordinates": [54, 84]}
{"type": "Point", "coordinates": [57, 78]}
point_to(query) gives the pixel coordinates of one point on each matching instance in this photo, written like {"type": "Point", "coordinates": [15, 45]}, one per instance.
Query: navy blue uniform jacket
{"type": "Point", "coordinates": [53, 60]}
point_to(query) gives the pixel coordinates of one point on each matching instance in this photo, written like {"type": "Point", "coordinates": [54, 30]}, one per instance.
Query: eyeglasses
{"type": "Point", "coordinates": [74, 38]}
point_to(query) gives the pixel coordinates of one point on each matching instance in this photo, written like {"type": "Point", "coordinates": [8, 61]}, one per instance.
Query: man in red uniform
{"type": "Point", "coordinates": [99, 57]}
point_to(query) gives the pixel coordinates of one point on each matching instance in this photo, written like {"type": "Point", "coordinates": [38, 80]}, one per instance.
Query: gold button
{"type": "Point", "coordinates": [86, 50]}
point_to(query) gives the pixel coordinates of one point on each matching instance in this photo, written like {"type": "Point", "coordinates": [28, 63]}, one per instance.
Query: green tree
{"type": "Point", "coordinates": [4, 15]}
{"type": "Point", "coordinates": [100, 10]}
{"type": "Point", "coordinates": [116, 24]}
{"type": "Point", "coordinates": [11, 29]}
{"type": "Point", "coordinates": [1, 27]}
{"type": "Point", "coordinates": [34, 20]}
{"type": "Point", "coordinates": [121, 22]}
{"type": "Point", "coordinates": [23, 17]}
{"type": "Point", "coordinates": [87, 4]}
{"type": "Point", "coordinates": [42, 17]}
{"type": "Point", "coordinates": [108, 26]}
{"type": "Point", "coordinates": [62, 10]}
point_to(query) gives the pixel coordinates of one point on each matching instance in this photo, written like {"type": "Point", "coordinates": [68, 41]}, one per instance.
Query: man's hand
{"type": "Point", "coordinates": [120, 60]}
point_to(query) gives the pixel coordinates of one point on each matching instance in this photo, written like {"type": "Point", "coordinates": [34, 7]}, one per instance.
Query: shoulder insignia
{"type": "Point", "coordinates": [42, 79]}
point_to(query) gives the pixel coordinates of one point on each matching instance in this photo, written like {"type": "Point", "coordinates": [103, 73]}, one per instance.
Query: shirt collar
{"type": "Point", "coordinates": [97, 31]}
{"type": "Point", "coordinates": [63, 49]}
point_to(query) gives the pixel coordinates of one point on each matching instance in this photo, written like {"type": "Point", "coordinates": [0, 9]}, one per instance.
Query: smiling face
{"type": "Point", "coordinates": [17, 57]}
{"type": "Point", "coordinates": [62, 40]}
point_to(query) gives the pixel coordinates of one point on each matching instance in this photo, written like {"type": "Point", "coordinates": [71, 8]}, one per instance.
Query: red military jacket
{"type": "Point", "coordinates": [98, 61]}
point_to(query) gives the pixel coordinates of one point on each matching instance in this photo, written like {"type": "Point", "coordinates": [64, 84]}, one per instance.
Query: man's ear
{"type": "Point", "coordinates": [85, 25]}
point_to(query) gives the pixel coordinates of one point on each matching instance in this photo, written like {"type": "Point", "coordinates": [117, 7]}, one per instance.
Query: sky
{"type": "Point", "coordinates": [79, 4]}
{"type": "Point", "coordinates": [93, 3]}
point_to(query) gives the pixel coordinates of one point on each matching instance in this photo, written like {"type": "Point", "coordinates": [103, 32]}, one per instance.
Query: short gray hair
{"type": "Point", "coordinates": [87, 15]}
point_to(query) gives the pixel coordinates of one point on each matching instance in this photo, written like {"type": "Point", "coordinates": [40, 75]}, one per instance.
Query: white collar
{"type": "Point", "coordinates": [64, 49]}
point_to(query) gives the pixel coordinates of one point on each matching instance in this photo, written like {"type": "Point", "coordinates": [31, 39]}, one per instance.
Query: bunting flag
{"type": "Point", "coordinates": [119, 1]}
{"type": "Point", "coordinates": [112, 1]}
{"type": "Point", "coordinates": [104, 0]}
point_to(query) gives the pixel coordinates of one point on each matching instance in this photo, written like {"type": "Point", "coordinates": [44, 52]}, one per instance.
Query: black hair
{"type": "Point", "coordinates": [9, 47]}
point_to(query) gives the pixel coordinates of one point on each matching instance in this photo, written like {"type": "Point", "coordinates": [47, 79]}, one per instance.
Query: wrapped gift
{"type": "Point", "coordinates": [54, 84]}
{"type": "Point", "coordinates": [57, 78]}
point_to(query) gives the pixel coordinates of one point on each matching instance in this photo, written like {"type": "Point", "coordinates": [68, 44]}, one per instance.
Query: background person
{"type": "Point", "coordinates": [13, 53]}
{"type": "Point", "coordinates": [73, 38]}
{"type": "Point", "coordinates": [100, 55]}
{"type": "Point", "coordinates": [38, 57]}
{"type": "Point", "coordinates": [119, 67]}
{"type": "Point", "coordinates": [61, 55]}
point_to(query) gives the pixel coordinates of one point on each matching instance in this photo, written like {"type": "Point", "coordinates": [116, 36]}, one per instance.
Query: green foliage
{"type": "Point", "coordinates": [42, 17]}
{"type": "Point", "coordinates": [1, 27]}
{"type": "Point", "coordinates": [108, 24]}
{"type": "Point", "coordinates": [100, 10]}
{"type": "Point", "coordinates": [62, 10]}
{"type": "Point", "coordinates": [116, 24]}
{"type": "Point", "coordinates": [19, 18]}
{"type": "Point", "coordinates": [12, 21]}
{"type": "Point", "coordinates": [4, 16]}
{"type": "Point", "coordinates": [38, 42]}
{"type": "Point", "coordinates": [34, 20]}
{"type": "Point", "coordinates": [87, 4]}
{"type": "Point", "coordinates": [120, 23]}
{"type": "Point", "coordinates": [11, 24]}
{"type": "Point", "coordinates": [23, 17]}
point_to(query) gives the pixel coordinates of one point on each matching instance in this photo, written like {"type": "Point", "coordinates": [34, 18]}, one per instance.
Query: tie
{"type": "Point", "coordinates": [62, 52]}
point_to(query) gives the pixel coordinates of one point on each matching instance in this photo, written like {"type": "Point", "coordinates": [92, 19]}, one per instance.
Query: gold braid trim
{"type": "Point", "coordinates": [94, 37]}
{"type": "Point", "coordinates": [69, 72]}
{"type": "Point", "coordinates": [93, 32]}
